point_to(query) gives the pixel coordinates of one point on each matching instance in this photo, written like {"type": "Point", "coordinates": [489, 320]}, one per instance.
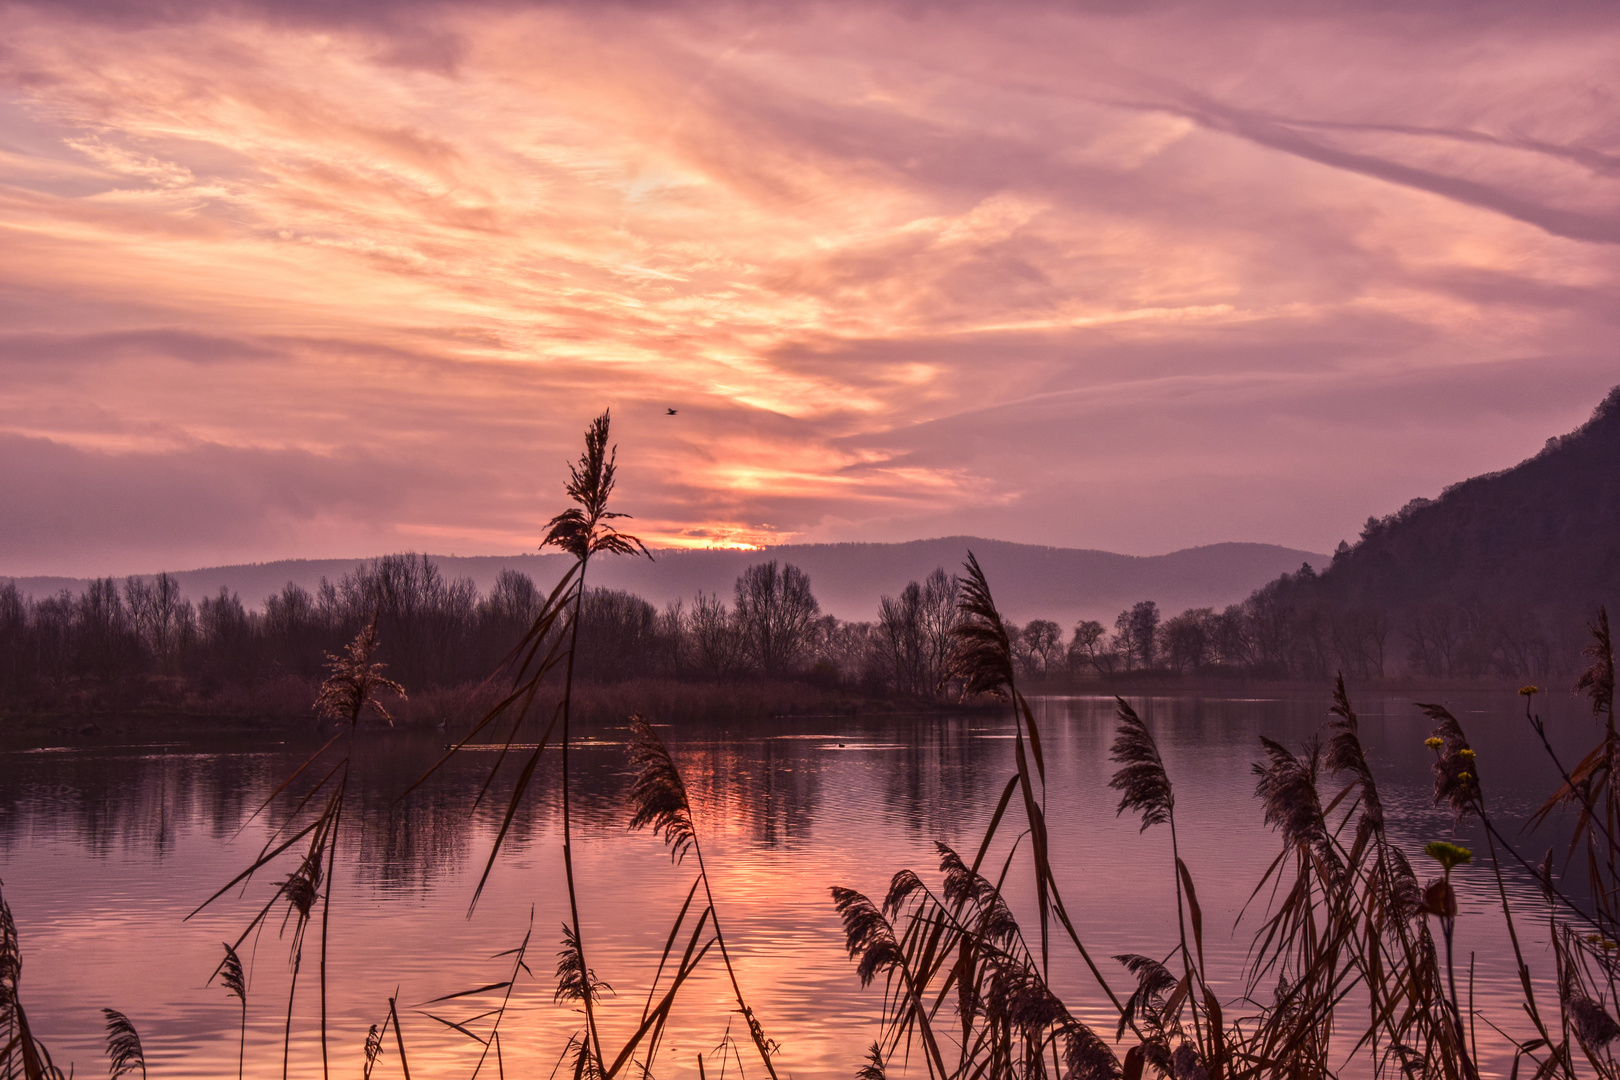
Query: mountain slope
{"type": "Point", "coordinates": [1030, 581]}
{"type": "Point", "coordinates": [1543, 535]}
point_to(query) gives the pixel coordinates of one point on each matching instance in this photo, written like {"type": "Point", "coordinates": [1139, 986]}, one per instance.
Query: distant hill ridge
{"type": "Point", "coordinates": [1543, 535]}
{"type": "Point", "coordinates": [1030, 580]}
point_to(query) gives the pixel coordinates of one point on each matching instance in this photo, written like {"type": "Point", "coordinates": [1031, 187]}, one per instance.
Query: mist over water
{"type": "Point", "coordinates": [106, 845]}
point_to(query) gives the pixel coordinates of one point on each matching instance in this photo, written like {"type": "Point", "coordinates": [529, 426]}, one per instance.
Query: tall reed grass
{"type": "Point", "coordinates": [1351, 967]}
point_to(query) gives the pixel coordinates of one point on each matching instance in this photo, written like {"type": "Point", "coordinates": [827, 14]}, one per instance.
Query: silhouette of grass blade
{"type": "Point", "coordinates": [873, 1069]}
{"type": "Point", "coordinates": [657, 791]}
{"type": "Point", "coordinates": [575, 981]}
{"type": "Point", "coordinates": [582, 530]}
{"type": "Point", "coordinates": [1142, 782]}
{"type": "Point", "coordinates": [230, 973]}
{"type": "Point", "coordinates": [982, 653]}
{"type": "Point", "coordinates": [123, 1046]}
{"type": "Point", "coordinates": [1598, 680]}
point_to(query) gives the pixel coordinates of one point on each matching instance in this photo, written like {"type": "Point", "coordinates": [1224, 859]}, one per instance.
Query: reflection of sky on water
{"type": "Point", "coordinates": [104, 849]}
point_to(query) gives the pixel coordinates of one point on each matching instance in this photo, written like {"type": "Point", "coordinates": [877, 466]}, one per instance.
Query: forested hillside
{"type": "Point", "coordinates": [1544, 535]}
{"type": "Point", "coordinates": [1497, 576]}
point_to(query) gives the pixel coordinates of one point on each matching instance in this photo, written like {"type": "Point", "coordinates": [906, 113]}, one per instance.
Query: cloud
{"type": "Point", "coordinates": [1132, 277]}
{"type": "Point", "coordinates": [197, 504]}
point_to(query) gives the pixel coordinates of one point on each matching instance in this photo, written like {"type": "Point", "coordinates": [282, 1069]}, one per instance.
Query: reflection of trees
{"type": "Point", "coordinates": [111, 801]}
{"type": "Point", "coordinates": [940, 774]}
{"type": "Point", "coordinates": [750, 786]}
{"type": "Point", "coordinates": [127, 801]}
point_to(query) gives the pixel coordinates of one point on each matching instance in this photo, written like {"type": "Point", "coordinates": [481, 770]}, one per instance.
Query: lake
{"type": "Point", "coordinates": [108, 842]}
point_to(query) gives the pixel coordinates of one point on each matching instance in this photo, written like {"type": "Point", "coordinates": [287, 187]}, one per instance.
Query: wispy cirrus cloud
{"type": "Point", "coordinates": [1124, 278]}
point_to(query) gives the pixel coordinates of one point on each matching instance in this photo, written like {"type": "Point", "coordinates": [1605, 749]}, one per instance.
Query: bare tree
{"type": "Point", "coordinates": [939, 617]}
{"type": "Point", "coordinates": [1136, 633]}
{"type": "Point", "coordinates": [716, 649]}
{"type": "Point", "coordinates": [161, 617]}
{"type": "Point", "coordinates": [775, 610]}
{"type": "Point", "coordinates": [899, 645]}
{"type": "Point", "coordinates": [1188, 639]}
{"type": "Point", "coordinates": [1088, 647]}
{"type": "Point", "coordinates": [1041, 646]}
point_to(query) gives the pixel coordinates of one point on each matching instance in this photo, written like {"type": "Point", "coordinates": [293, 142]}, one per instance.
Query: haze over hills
{"type": "Point", "coordinates": [1541, 536]}
{"type": "Point", "coordinates": [1030, 581]}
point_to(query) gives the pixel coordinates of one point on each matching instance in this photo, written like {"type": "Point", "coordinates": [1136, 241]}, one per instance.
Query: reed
{"type": "Point", "coordinates": [21, 1055]}
{"type": "Point", "coordinates": [1346, 915]}
{"type": "Point", "coordinates": [354, 686]}
{"type": "Point", "coordinates": [124, 1054]}
{"type": "Point", "coordinates": [234, 979]}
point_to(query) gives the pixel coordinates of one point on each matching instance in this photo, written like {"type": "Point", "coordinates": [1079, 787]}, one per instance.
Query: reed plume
{"type": "Point", "coordinates": [966, 888]}
{"type": "Point", "coordinates": [1456, 771]}
{"type": "Point", "coordinates": [1141, 778]}
{"type": "Point", "coordinates": [582, 530]}
{"type": "Point", "coordinates": [123, 1046]}
{"type": "Point", "coordinates": [354, 682]}
{"type": "Point", "coordinates": [22, 1057]}
{"type": "Point", "coordinates": [657, 792]}
{"type": "Point", "coordinates": [982, 657]}
{"type": "Point", "coordinates": [659, 800]}
{"type": "Point", "coordinates": [231, 975]}
{"type": "Point", "coordinates": [1598, 680]}
{"type": "Point", "coordinates": [1146, 1004]}
{"type": "Point", "coordinates": [1287, 792]}
{"type": "Point", "coordinates": [868, 936]}
{"type": "Point", "coordinates": [873, 1068]}
{"type": "Point", "coordinates": [374, 1047]}
{"type": "Point", "coordinates": [575, 981]}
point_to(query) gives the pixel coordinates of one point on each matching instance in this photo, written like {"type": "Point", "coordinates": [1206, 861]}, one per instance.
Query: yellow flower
{"type": "Point", "coordinates": [1447, 855]}
{"type": "Point", "coordinates": [1464, 777]}
{"type": "Point", "coordinates": [1433, 742]}
{"type": "Point", "coordinates": [1528, 690]}
{"type": "Point", "coordinates": [1467, 753]}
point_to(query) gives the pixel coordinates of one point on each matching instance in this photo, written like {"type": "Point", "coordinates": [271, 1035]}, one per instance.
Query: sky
{"type": "Point", "coordinates": [327, 280]}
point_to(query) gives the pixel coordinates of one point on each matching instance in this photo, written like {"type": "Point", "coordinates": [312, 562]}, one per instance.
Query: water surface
{"type": "Point", "coordinates": [107, 844]}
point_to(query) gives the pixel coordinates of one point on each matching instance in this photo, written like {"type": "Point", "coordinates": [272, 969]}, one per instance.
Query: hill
{"type": "Point", "coordinates": [1030, 581]}
{"type": "Point", "coordinates": [1541, 536]}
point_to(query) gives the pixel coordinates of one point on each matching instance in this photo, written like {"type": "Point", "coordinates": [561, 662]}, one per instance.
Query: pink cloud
{"type": "Point", "coordinates": [1093, 276]}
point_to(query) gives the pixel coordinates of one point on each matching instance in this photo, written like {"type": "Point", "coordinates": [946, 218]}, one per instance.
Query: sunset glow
{"type": "Point", "coordinates": [278, 284]}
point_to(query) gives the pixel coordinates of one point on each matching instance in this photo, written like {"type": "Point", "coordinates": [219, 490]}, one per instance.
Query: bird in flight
{"type": "Point", "coordinates": [669, 412]}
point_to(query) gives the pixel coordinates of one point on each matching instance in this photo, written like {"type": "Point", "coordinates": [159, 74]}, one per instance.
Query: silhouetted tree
{"type": "Point", "coordinates": [774, 610]}
{"type": "Point", "coordinates": [1136, 633]}
{"type": "Point", "coordinates": [1038, 647]}
{"type": "Point", "coordinates": [1188, 639]}
{"type": "Point", "coordinates": [716, 644]}
{"type": "Point", "coordinates": [1088, 646]}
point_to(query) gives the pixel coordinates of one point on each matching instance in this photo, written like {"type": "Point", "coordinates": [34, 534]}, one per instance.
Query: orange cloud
{"type": "Point", "coordinates": [859, 250]}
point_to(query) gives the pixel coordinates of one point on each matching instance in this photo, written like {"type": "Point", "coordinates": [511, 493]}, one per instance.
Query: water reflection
{"type": "Point", "coordinates": [104, 848]}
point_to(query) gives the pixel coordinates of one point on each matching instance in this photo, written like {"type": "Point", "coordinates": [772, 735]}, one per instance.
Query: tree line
{"type": "Point", "coordinates": [442, 632]}
{"type": "Point", "coordinates": [1287, 629]}
{"type": "Point", "coordinates": [120, 635]}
